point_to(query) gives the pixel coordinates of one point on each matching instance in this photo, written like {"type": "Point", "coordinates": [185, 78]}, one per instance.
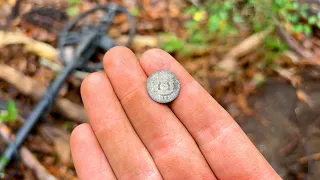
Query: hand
{"type": "Point", "coordinates": [132, 137]}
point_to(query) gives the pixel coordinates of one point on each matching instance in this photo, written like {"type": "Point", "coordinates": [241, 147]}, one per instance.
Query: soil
{"type": "Point", "coordinates": [278, 110]}
{"type": "Point", "coordinates": [293, 128]}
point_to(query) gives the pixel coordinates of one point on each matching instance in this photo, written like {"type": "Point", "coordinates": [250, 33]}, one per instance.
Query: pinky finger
{"type": "Point", "coordinates": [88, 157]}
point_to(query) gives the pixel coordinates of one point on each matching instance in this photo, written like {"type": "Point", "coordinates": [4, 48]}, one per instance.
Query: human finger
{"type": "Point", "coordinates": [125, 152]}
{"type": "Point", "coordinates": [229, 152]}
{"type": "Point", "coordinates": [88, 157]}
{"type": "Point", "coordinates": [171, 146]}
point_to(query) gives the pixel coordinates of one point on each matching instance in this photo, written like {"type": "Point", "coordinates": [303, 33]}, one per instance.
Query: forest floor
{"type": "Point", "coordinates": [274, 97]}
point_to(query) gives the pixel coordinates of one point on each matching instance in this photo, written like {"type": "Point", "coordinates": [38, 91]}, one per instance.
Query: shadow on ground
{"type": "Point", "coordinates": [293, 130]}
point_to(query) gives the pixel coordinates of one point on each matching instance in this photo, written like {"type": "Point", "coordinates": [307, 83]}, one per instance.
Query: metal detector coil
{"type": "Point", "coordinates": [86, 40]}
{"type": "Point", "coordinates": [72, 35]}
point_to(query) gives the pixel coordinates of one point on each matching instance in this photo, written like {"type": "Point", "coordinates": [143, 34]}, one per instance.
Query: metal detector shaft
{"type": "Point", "coordinates": [87, 41]}
{"type": "Point", "coordinates": [41, 107]}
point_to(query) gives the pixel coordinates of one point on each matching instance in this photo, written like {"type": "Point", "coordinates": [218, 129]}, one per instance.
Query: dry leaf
{"type": "Point", "coordinates": [304, 97]}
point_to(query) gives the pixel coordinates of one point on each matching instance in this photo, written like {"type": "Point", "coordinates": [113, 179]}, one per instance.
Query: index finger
{"type": "Point", "coordinates": [229, 152]}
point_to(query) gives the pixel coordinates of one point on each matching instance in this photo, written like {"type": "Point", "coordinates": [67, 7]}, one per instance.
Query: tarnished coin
{"type": "Point", "coordinates": [163, 86]}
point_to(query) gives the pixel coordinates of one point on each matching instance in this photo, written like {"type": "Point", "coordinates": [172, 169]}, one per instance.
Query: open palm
{"type": "Point", "coordinates": [132, 137]}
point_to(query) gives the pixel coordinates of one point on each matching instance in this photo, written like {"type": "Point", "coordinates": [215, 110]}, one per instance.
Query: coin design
{"type": "Point", "coordinates": [163, 86]}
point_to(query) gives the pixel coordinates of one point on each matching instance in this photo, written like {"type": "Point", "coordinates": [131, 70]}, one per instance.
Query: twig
{"type": "Point", "coordinates": [304, 160]}
{"type": "Point", "coordinates": [289, 74]}
{"type": "Point", "coordinates": [290, 147]}
{"type": "Point", "coordinates": [57, 67]}
{"type": "Point", "coordinates": [29, 86]}
{"type": "Point", "coordinates": [27, 157]}
{"type": "Point", "coordinates": [47, 51]}
{"type": "Point", "coordinates": [248, 45]}
{"type": "Point", "coordinates": [31, 162]}
{"type": "Point", "coordinates": [40, 48]}
{"type": "Point", "coordinates": [140, 41]}
{"type": "Point", "coordinates": [292, 43]}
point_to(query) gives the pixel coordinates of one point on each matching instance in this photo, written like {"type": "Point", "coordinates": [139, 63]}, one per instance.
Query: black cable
{"type": "Point", "coordinates": [87, 44]}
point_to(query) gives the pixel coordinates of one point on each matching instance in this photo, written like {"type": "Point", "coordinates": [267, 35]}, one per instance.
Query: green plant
{"type": "Point", "coordinates": [218, 20]}
{"type": "Point", "coordinates": [213, 20]}
{"type": "Point", "coordinates": [222, 17]}
{"type": "Point", "coordinates": [172, 43]}
{"type": "Point", "coordinates": [134, 11]}
{"type": "Point", "coordinates": [3, 160]}
{"type": "Point", "coordinates": [73, 7]}
{"type": "Point", "coordinates": [290, 13]}
{"type": "Point", "coordinates": [67, 125]}
{"type": "Point", "coordinates": [10, 114]}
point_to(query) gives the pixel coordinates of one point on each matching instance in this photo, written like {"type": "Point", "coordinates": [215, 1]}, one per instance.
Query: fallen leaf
{"type": "Point", "coordinates": [304, 97]}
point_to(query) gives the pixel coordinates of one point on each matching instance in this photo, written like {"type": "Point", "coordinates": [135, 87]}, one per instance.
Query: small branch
{"type": "Point", "coordinates": [140, 41]}
{"type": "Point", "coordinates": [248, 45]}
{"type": "Point", "coordinates": [292, 43]}
{"type": "Point", "coordinates": [305, 159]}
{"type": "Point", "coordinates": [289, 147]}
{"type": "Point", "coordinates": [40, 48]}
{"type": "Point", "coordinates": [57, 67]}
{"type": "Point", "coordinates": [31, 162]}
{"type": "Point", "coordinates": [289, 74]}
{"type": "Point", "coordinates": [30, 87]}
{"type": "Point", "coordinates": [27, 157]}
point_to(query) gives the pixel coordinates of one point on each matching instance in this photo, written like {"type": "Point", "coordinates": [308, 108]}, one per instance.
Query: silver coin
{"type": "Point", "coordinates": [163, 86]}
